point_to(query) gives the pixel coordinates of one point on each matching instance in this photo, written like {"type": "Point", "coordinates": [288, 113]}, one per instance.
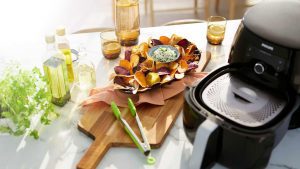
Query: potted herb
{"type": "Point", "coordinates": [23, 96]}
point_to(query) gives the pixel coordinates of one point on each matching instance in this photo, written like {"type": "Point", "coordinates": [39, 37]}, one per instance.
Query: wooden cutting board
{"type": "Point", "coordinates": [99, 123]}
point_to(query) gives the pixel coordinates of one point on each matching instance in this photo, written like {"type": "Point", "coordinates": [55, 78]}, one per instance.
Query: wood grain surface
{"type": "Point", "coordinates": [99, 123]}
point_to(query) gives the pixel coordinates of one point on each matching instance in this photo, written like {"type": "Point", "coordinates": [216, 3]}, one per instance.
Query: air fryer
{"type": "Point", "coordinates": [238, 113]}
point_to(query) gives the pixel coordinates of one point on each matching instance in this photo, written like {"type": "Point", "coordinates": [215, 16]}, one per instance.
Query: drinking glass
{"type": "Point", "coordinates": [216, 26]}
{"type": "Point", "coordinates": [127, 22]}
{"type": "Point", "coordinates": [110, 45]}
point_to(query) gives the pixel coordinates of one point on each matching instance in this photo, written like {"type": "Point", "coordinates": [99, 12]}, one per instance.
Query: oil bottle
{"type": "Point", "coordinates": [56, 73]}
{"type": "Point", "coordinates": [64, 46]}
{"type": "Point", "coordinates": [85, 71]}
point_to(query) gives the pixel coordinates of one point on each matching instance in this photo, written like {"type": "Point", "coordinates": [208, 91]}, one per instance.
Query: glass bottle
{"type": "Point", "coordinates": [85, 71]}
{"type": "Point", "coordinates": [127, 22]}
{"type": "Point", "coordinates": [64, 46]}
{"type": "Point", "coordinates": [56, 73]}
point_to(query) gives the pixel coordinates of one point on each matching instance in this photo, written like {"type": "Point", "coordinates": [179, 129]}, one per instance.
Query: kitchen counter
{"type": "Point", "coordinates": [61, 145]}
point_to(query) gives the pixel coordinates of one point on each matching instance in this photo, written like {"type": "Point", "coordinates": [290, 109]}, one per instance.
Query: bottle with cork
{"type": "Point", "coordinates": [64, 46]}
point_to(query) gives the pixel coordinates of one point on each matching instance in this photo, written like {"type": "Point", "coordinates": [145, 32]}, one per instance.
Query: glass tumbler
{"type": "Point", "coordinates": [110, 46]}
{"type": "Point", "coordinates": [127, 22]}
{"type": "Point", "coordinates": [216, 26]}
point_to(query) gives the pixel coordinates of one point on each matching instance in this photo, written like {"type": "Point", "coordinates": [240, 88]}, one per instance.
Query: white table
{"type": "Point", "coordinates": [62, 145]}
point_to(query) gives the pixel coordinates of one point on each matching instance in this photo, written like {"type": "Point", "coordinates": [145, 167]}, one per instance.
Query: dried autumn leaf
{"type": "Point", "coordinates": [140, 78]}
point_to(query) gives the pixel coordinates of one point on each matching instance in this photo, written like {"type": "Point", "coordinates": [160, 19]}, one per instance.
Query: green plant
{"type": "Point", "coordinates": [23, 95]}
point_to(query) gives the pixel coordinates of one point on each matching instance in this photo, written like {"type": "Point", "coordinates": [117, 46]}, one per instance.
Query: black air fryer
{"type": "Point", "coordinates": [238, 113]}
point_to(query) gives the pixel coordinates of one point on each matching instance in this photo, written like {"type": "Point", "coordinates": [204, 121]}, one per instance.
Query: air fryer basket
{"type": "Point", "coordinates": [233, 144]}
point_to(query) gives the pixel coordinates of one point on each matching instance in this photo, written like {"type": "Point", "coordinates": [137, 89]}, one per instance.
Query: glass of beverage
{"type": "Point", "coordinates": [127, 22]}
{"type": "Point", "coordinates": [215, 29]}
{"type": "Point", "coordinates": [110, 45]}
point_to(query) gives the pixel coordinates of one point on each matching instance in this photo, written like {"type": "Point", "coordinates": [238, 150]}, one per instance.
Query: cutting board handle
{"type": "Point", "coordinates": [94, 154]}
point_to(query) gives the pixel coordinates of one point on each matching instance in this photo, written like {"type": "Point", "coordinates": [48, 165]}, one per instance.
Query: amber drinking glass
{"type": "Point", "coordinates": [216, 26]}
{"type": "Point", "coordinates": [110, 46]}
{"type": "Point", "coordinates": [127, 22]}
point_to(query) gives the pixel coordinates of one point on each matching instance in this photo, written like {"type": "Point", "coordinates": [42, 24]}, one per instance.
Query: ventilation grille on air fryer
{"type": "Point", "coordinates": [240, 102]}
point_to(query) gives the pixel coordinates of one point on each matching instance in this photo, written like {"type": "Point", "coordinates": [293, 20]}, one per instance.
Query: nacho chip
{"type": "Point", "coordinates": [190, 49]}
{"type": "Point", "coordinates": [166, 79]}
{"type": "Point", "coordinates": [125, 64]}
{"type": "Point", "coordinates": [159, 65]}
{"type": "Point", "coordinates": [164, 40]}
{"type": "Point", "coordinates": [135, 50]}
{"type": "Point", "coordinates": [134, 60]}
{"type": "Point", "coordinates": [143, 49]}
{"type": "Point", "coordinates": [152, 78]}
{"type": "Point", "coordinates": [147, 64]}
{"type": "Point", "coordinates": [173, 65]}
{"type": "Point", "coordinates": [140, 78]}
{"type": "Point", "coordinates": [174, 39]}
{"type": "Point", "coordinates": [179, 75]}
{"type": "Point", "coordinates": [183, 66]}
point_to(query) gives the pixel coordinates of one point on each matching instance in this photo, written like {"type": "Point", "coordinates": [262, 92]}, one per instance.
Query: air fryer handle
{"type": "Point", "coordinates": [204, 131]}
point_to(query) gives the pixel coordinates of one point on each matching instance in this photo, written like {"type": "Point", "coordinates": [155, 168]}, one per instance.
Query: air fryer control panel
{"type": "Point", "coordinates": [260, 60]}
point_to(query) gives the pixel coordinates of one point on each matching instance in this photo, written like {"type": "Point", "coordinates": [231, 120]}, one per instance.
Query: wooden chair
{"type": "Point", "coordinates": [183, 21]}
{"type": "Point", "coordinates": [151, 11]}
{"type": "Point", "coordinates": [232, 7]}
{"type": "Point", "coordinates": [91, 30]}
